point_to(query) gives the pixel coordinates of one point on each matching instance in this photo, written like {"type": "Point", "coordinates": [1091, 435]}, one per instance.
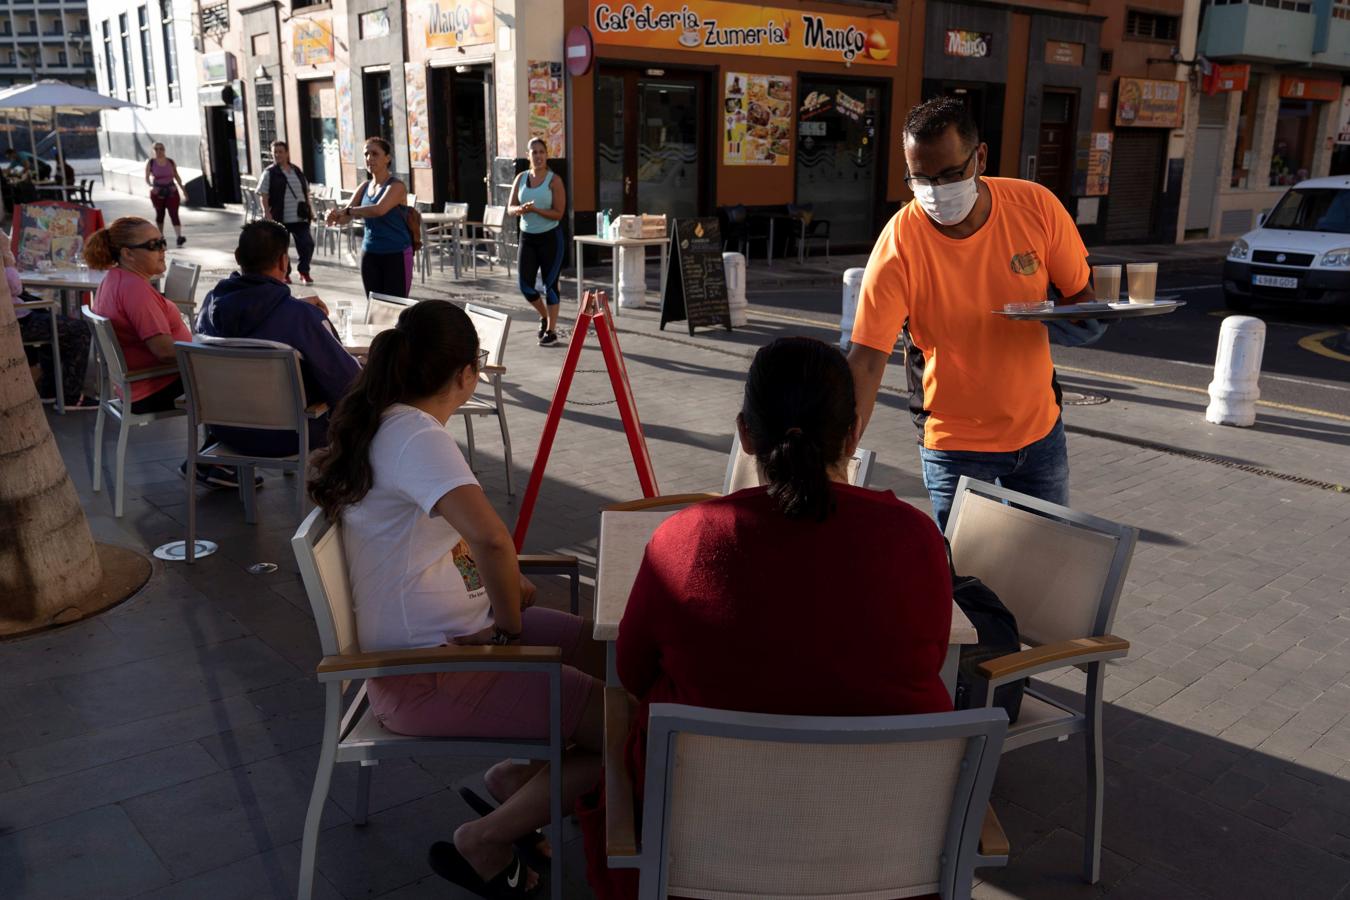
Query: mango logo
{"type": "Point", "coordinates": [1025, 263]}
{"type": "Point", "coordinates": [876, 46]}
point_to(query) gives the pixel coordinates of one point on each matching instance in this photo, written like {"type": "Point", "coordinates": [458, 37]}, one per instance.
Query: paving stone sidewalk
{"type": "Point", "coordinates": [167, 747]}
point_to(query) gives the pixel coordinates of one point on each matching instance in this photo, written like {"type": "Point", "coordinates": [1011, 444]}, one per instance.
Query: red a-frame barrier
{"type": "Point", "coordinates": [594, 310]}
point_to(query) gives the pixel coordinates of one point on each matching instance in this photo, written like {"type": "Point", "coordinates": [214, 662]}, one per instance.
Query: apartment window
{"type": "Point", "coordinates": [125, 32]}
{"type": "Point", "coordinates": [147, 55]}
{"type": "Point", "coordinates": [1108, 60]}
{"type": "Point", "coordinates": [61, 57]}
{"type": "Point", "coordinates": [215, 19]}
{"type": "Point", "coordinates": [170, 49]}
{"type": "Point", "coordinates": [1340, 9]}
{"type": "Point", "coordinates": [1151, 26]}
{"type": "Point", "coordinates": [267, 121]}
{"type": "Point", "coordinates": [109, 61]}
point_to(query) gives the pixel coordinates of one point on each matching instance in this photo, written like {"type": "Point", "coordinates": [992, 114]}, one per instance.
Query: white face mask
{"type": "Point", "coordinates": [948, 204]}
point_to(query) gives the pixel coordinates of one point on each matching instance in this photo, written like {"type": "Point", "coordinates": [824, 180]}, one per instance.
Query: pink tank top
{"type": "Point", "coordinates": [162, 173]}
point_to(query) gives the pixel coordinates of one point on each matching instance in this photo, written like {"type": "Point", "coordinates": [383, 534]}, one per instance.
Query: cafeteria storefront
{"type": "Point", "coordinates": [693, 105]}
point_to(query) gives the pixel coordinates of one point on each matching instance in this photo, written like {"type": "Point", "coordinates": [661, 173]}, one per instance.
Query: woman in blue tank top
{"type": "Point", "coordinates": [386, 248]}
{"type": "Point", "coordinates": [540, 200]}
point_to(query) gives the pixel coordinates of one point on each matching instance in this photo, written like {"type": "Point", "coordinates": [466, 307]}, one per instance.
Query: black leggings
{"type": "Point", "coordinates": [387, 273]}
{"type": "Point", "coordinates": [541, 254]}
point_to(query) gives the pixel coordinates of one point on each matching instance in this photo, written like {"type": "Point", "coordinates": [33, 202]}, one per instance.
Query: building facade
{"type": "Point", "coordinates": [42, 39]}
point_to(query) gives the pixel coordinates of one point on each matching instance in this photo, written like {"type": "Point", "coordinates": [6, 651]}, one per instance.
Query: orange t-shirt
{"type": "Point", "coordinates": [988, 382]}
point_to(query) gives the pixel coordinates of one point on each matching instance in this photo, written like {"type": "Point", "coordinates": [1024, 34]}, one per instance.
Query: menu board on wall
{"type": "Point", "coordinates": [1146, 103]}
{"type": "Point", "coordinates": [458, 23]}
{"type": "Point", "coordinates": [757, 118]}
{"type": "Point", "coordinates": [311, 41]}
{"type": "Point", "coordinates": [342, 84]}
{"type": "Point", "coordinates": [419, 142]}
{"type": "Point", "coordinates": [546, 105]}
{"type": "Point", "coordinates": [1099, 164]}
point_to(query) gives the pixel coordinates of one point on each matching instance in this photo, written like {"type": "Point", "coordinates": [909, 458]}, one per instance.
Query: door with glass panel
{"type": "Point", "coordinates": [649, 142]}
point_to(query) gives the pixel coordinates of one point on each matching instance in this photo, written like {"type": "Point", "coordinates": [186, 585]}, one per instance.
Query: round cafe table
{"type": "Point", "coordinates": [63, 280]}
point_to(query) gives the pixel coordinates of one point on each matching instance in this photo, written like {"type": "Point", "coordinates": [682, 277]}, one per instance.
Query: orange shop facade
{"type": "Point", "coordinates": [688, 106]}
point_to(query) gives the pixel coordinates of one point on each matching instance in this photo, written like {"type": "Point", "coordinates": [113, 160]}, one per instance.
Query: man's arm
{"type": "Point", "coordinates": [868, 367]}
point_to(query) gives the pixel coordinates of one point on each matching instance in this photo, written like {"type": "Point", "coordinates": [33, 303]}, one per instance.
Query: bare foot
{"type": "Point", "coordinates": [488, 859]}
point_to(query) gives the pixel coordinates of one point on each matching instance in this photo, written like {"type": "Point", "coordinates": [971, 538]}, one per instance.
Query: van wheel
{"type": "Point", "coordinates": [1237, 302]}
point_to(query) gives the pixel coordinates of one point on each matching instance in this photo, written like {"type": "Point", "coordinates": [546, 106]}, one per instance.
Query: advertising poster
{"type": "Point", "coordinates": [419, 141]}
{"type": "Point", "coordinates": [546, 105]}
{"type": "Point", "coordinates": [1099, 164]}
{"type": "Point", "coordinates": [713, 26]}
{"type": "Point", "coordinates": [52, 232]}
{"type": "Point", "coordinates": [1145, 103]}
{"type": "Point", "coordinates": [342, 85]}
{"type": "Point", "coordinates": [757, 117]}
{"type": "Point", "coordinates": [312, 41]}
{"type": "Point", "coordinates": [458, 23]}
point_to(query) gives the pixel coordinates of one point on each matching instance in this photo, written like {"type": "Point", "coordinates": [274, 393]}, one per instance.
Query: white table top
{"type": "Point", "coordinates": [63, 278]}
{"type": "Point", "coordinates": [598, 241]}
{"type": "Point", "coordinates": [361, 337]}
{"type": "Point", "coordinates": [623, 539]}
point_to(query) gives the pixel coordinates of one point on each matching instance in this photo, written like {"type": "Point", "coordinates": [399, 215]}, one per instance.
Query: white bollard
{"type": "Point", "coordinates": [734, 266]}
{"type": "Point", "coordinates": [1237, 367]}
{"type": "Point", "coordinates": [852, 286]}
{"type": "Point", "coordinates": [632, 265]}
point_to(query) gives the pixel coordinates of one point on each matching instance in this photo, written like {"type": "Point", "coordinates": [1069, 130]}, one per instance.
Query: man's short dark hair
{"type": "Point", "coordinates": [282, 144]}
{"type": "Point", "coordinates": [261, 244]}
{"type": "Point", "coordinates": [930, 120]}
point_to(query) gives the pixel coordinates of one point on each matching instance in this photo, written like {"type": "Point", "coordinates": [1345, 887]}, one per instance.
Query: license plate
{"type": "Point", "coordinates": [1275, 281]}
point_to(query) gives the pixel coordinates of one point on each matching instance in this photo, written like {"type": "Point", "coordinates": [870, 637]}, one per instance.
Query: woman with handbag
{"type": "Point", "coordinates": [284, 192]}
{"type": "Point", "coordinates": [161, 173]}
{"type": "Point", "coordinates": [387, 246]}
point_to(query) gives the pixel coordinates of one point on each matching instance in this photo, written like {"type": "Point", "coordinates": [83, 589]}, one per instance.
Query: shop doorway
{"type": "Point", "coordinates": [378, 100]}
{"type": "Point", "coordinates": [651, 141]}
{"type": "Point", "coordinates": [1055, 146]}
{"type": "Point", "coordinates": [1209, 134]}
{"type": "Point", "coordinates": [220, 139]}
{"type": "Point", "coordinates": [1136, 183]}
{"type": "Point", "coordinates": [985, 101]}
{"type": "Point", "coordinates": [461, 129]}
{"type": "Point", "coordinates": [320, 155]}
{"type": "Point", "coordinates": [840, 152]}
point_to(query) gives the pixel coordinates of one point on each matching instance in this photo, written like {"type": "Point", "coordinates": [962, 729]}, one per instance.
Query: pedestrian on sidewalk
{"type": "Point", "coordinates": [161, 173]}
{"type": "Point", "coordinates": [284, 192]}
{"type": "Point", "coordinates": [984, 389]}
{"type": "Point", "coordinates": [386, 246]}
{"type": "Point", "coordinates": [539, 198]}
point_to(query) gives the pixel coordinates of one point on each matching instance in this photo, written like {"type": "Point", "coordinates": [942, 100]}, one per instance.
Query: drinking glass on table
{"type": "Point", "coordinates": [342, 310]}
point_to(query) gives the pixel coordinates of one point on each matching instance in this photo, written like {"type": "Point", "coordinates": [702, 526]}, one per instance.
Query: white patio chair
{"type": "Point", "coordinates": [493, 328]}
{"type": "Point", "coordinates": [384, 309]}
{"type": "Point", "coordinates": [243, 383]}
{"type": "Point", "coordinates": [351, 732]}
{"type": "Point", "coordinates": [484, 238]}
{"type": "Point", "coordinates": [743, 471]}
{"type": "Point", "coordinates": [49, 307]}
{"type": "Point", "coordinates": [114, 393]}
{"type": "Point", "coordinates": [743, 804]}
{"type": "Point", "coordinates": [180, 289]}
{"type": "Point", "coordinates": [1060, 572]}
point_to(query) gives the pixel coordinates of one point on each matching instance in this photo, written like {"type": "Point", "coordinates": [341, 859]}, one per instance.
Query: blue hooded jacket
{"type": "Point", "coordinates": [260, 307]}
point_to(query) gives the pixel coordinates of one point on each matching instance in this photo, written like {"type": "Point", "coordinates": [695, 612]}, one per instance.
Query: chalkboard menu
{"type": "Point", "coordinates": [696, 284]}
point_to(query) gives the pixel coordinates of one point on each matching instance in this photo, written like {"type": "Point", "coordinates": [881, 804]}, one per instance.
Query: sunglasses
{"type": "Point", "coordinates": [156, 244]}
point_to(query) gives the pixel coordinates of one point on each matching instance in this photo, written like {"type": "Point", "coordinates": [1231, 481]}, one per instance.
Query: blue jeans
{"type": "Point", "coordinates": [1040, 469]}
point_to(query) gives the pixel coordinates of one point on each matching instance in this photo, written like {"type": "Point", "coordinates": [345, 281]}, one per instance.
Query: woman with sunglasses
{"type": "Point", "coordinates": [431, 563]}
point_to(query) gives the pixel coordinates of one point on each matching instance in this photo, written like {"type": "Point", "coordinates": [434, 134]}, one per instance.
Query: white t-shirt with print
{"type": "Point", "coordinates": [413, 581]}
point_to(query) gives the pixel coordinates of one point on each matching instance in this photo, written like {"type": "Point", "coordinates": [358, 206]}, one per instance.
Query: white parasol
{"type": "Point", "coordinates": [43, 100]}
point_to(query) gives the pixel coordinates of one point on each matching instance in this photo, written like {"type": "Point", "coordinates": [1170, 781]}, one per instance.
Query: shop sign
{"type": "Point", "coordinates": [458, 23]}
{"type": "Point", "coordinates": [1228, 78]}
{"type": "Point", "coordinates": [415, 91]}
{"type": "Point", "coordinates": [374, 24]}
{"type": "Point", "coordinates": [713, 26]}
{"type": "Point", "coordinates": [312, 41]}
{"type": "Point", "coordinates": [1099, 164]}
{"type": "Point", "coordinates": [1145, 103]}
{"type": "Point", "coordinates": [1063, 53]}
{"type": "Point", "coordinates": [217, 67]}
{"type": "Point", "coordinates": [1343, 130]}
{"type": "Point", "coordinates": [970, 44]}
{"type": "Point", "coordinates": [757, 114]}
{"type": "Point", "coordinates": [1292, 87]}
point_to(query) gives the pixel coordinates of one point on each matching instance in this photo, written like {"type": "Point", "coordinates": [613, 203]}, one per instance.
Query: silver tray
{"type": "Point", "coordinates": [1121, 310]}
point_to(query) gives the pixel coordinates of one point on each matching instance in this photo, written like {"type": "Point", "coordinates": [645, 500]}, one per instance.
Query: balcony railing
{"type": "Point", "coordinates": [1258, 32]}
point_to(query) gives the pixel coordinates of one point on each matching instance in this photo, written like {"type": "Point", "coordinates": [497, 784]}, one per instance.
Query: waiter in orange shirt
{"type": "Point", "coordinates": [983, 387]}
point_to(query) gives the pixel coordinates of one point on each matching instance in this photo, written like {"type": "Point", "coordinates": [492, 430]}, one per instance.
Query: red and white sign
{"type": "Point", "coordinates": [579, 51]}
{"type": "Point", "coordinates": [1294, 87]}
{"type": "Point", "coordinates": [1228, 78]}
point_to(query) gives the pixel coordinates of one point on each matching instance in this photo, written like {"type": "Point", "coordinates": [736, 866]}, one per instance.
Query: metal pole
{"type": "Point", "coordinates": [32, 141]}
{"type": "Point", "coordinates": [60, 154]}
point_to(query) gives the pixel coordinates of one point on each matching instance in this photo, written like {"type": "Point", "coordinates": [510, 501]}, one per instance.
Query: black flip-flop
{"type": "Point", "coordinates": [508, 884]}
{"type": "Point", "coordinates": [528, 845]}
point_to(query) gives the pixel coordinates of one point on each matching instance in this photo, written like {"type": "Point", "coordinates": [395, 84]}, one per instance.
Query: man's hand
{"type": "Point", "coordinates": [315, 301]}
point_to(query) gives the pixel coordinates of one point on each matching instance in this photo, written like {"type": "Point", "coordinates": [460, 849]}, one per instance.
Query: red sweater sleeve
{"type": "Point", "coordinates": [637, 653]}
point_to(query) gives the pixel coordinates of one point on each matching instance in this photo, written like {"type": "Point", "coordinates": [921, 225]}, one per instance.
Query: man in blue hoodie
{"type": "Point", "coordinates": [256, 303]}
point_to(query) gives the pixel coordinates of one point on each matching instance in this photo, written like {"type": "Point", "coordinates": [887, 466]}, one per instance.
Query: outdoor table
{"type": "Point", "coordinates": [64, 190]}
{"type": "Point", "coordinates": [595, 240]}
{"type": "Point", "coordinates": [63, 280]}
{"type": "Point", "coordinates": [359, 337]}
{"type": "Point", "coordinates": [623, 540]}
{"type": "Point", "coordinates": [456, 224]}
{"type": "Point", "coordinates": [50, 306]}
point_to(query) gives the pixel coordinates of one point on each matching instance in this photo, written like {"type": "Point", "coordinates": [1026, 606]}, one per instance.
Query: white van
{"type": "Point", "coordinates": [1300, 253]}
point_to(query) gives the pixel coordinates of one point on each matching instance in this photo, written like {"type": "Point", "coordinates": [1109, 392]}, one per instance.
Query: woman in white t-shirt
{"type": "Point", "coordinates": [432, 563]}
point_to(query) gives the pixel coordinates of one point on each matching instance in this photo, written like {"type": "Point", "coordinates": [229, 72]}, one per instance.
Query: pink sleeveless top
{"type": "Point", "coordinates": [162, 173]}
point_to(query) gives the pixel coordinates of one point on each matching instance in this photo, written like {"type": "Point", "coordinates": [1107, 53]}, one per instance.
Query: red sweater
{"type": "Point", "coordinates": [738, 607]}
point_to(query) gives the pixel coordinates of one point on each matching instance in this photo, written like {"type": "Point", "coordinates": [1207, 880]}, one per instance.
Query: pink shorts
{"type": "Point", "coordinates": [508, 705]}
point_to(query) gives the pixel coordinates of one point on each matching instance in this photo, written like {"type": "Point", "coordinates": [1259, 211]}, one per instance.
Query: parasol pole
{"type": "Point", "coordinates": [60, 154]}
{"type": "Point", "coordinates": [32, 142]}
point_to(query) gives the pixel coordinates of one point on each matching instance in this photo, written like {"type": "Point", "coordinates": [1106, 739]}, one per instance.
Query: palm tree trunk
{"type": "Point", "coordinates": [48, 562]}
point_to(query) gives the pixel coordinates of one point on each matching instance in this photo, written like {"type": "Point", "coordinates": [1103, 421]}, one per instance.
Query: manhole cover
{"type": "Point", "coordinates": [1084, 398]}
{"type": "Point", "coordinates": [262, 568]}
{"type": "Point", "coordinates": [176, 551]}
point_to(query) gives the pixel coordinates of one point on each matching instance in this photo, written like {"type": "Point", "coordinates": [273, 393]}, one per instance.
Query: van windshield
{"type": "Point", "coordinates": [1313, 209]}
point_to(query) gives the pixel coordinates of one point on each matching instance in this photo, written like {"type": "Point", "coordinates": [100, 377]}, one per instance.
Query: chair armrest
{"type": "Point", "coordinates": [620, 834]}
{"type": "Point", "coordinates": [490, 369]}
{"type": "Point", "coordinates": [1059, 655]}
{"type": "Point", "coordinates": [993, 842]}
{"type": "Point", "coordinates": [435, 659]}
{"type": "Point", "coordinates": [316, 410]}
{"type": "Point", "coordinates": [547, 561]}
{"type": "Point", "coordinates": [152, 372]}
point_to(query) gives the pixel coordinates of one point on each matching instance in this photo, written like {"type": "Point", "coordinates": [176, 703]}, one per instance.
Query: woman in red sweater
{"type": "Point", "coordinates": [805, 596]}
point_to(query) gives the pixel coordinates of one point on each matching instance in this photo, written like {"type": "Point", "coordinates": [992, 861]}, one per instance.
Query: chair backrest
{"type": "Point", "coordinates": [180, 283]}
{"type": "Point", "coordinates": [742, 804]}
{"type": "Point", "coordinates": [492, 327]}
{"type": "Point", "coordinates": [243, 383]}
{"type": "Point", "coordinates": [665, 501]}
{"type": "Point", "coordinates": [494, 215]}
{"type": "Point", "coordinates": [384, 309]}
{"type": "Point", "coordinates": [743, 471]}
{"type": "Point", "coordinates": [109, 350]}
{"type": "Point", "coordinates": [1060, 572]}
{"type": "Point", "coordinates": [458, 210]}
{"type": "Point", "coordinates": [323, 568]}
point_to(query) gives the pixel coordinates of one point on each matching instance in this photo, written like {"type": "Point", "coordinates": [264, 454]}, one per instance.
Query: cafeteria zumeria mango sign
{"type": "Point", "coordinates": [716, 27]}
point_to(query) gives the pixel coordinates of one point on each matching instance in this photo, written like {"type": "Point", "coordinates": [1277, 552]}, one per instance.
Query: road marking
{"type": "Point", "coordinates": [1313, 344]}
{"type": "Point", "coordinates": [1194, 287]}
{"type": "Point", "coordinates": [1286, 407]}
{"type": "Point", "coordinates": [1284, 378]}
{"type": "Point", "coordinates": [816, 323]}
